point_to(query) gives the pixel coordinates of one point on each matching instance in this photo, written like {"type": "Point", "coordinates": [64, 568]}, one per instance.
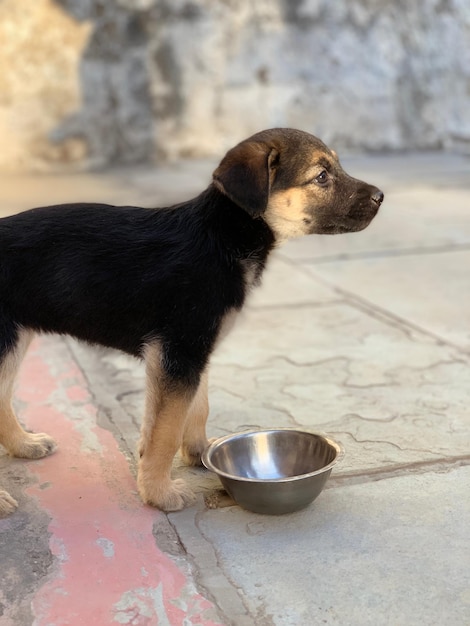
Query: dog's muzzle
{"type": "Point", "coordinates": [377, 197]}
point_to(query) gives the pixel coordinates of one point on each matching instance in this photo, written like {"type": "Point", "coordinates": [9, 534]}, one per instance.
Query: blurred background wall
{"type": "Point", "coordinates": [87, 83]}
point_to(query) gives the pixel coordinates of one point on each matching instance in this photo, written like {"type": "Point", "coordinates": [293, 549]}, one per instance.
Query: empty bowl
{"type": "Point", "coordinates": [273, 471]}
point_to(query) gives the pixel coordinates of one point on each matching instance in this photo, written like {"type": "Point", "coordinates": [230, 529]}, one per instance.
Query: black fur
{"type": "Point", "coordinates": [122, 276]}
{"type": "Point", "coordinates": [160, 283]}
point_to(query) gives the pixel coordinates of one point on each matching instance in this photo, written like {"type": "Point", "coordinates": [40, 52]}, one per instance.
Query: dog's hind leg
{"type": "Point", "coordinates": [194, 437]}
{"type": "Point", "coordinates": [17, 441]}
{"type": "Point", "coordinates": [166, 408]}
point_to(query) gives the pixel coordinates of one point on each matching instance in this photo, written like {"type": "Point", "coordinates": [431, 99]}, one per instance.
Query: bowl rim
{"type": "Point", "coordinates": [206, 455]}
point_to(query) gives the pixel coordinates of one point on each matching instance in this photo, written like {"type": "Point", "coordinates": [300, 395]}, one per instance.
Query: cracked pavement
{"type": "Point", "coordinates": [365, 337]}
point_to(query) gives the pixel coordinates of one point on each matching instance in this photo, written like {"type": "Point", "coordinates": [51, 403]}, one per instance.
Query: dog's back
{"type": "Point", "coordinates": [120, 275]}
{"type": "Point", "coordinates": [164, 284]}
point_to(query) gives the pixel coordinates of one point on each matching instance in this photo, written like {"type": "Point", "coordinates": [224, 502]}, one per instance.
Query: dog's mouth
{"type": "Point", "coordinates": [359, 217]}
{"type": "Point", "coordinates": [355, 217]}
{"type": "Point", "coordinates": [341, 229]}
{"type": "Point", "coordinates": [347, 225]}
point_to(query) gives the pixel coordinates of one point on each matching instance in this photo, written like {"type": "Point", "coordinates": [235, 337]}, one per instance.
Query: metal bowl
{"type": "Point", "coordinates": [273, 471]}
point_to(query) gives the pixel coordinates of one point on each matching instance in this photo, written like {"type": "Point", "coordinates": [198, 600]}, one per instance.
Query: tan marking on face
{"type": "Point", "coordinates": [320, 160]}
{"type": "Point", "coordinates": [286, 213]}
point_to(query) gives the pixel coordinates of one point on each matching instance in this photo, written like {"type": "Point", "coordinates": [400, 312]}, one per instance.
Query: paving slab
{"type": "Point", "coordinates": [148, 186]}
{"type": "Point", "coordinates": [323, 363]}
{"type": "Point", "coordinates": [21, 192]}
{"type": "Point", "coordinates": [82, 549]}
{"type": "Point", "coordinates": [337, 369]}
{"type": "Point", "coordinates": [430, 291]}
{"type": "Point", "coordinates": [361, 336]}
{"type": "Point", "coordinates": [392, 552]}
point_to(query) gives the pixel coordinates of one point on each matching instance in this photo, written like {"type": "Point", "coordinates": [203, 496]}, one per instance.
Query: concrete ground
{"type": "Point", "coordinates": [365, 337]}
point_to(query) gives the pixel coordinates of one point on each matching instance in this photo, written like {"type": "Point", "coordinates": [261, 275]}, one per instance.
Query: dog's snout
{"type": "Point", "coordinates": [378, 197]}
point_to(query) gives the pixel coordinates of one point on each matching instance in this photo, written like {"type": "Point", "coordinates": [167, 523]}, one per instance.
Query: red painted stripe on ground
{"type": "Point", "coordinates": [108, 567]}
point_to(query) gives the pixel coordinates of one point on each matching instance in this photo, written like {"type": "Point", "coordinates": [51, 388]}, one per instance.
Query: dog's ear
{"type": "Point", "coordinates": [246, 173]}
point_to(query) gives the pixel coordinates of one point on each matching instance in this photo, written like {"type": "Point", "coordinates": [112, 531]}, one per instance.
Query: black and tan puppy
{"type": "Point", "coordinates": [164, 285]}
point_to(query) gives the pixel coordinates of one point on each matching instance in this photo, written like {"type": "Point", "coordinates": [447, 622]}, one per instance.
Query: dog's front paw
{"type": "Point", "coordinates": [171, 495]}
{"type": "Point", "coordinates": [7, 503]}
{"type": "Point", "coordinates": [32, 446]}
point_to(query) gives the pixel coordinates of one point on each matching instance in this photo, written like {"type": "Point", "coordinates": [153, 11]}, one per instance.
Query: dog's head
{"type": "Point", "coordinates": [296, 184]}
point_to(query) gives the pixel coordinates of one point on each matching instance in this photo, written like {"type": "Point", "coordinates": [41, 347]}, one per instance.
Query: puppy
{"type": "Point", "coordinates": [164, 284]}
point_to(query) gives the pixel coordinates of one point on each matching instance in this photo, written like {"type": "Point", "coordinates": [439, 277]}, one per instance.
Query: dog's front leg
{"type": "Point", "coordinates": [194, 437]}
{"type": "Point", "coordinates": [158, 446]}
{"type": "Point", "coordinates": [166, 409]}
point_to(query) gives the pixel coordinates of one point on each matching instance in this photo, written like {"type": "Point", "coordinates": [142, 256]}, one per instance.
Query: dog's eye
{"type": "Point", "coordinates": [322, 178]}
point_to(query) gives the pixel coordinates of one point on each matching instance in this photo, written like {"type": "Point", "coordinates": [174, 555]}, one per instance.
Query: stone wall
{"type": "Point", "coordinates": [40, 51]}
{"type": "Point", "coordinates": [91, 82]}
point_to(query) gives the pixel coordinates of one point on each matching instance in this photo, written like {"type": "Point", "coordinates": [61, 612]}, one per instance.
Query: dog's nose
{"type": "Point", "coordinates": [378, 197]}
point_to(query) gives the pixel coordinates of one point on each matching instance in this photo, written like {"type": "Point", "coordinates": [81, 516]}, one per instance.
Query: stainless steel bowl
{"type": "Point", "coordinates": [273, 471]}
